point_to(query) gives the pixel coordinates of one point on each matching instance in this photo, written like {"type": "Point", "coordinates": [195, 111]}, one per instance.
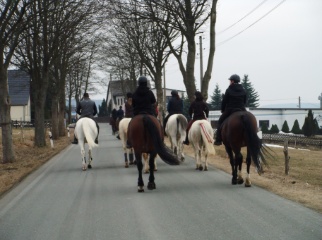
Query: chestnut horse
{"type": "Point", "coordinates": [240, 130]}
{"type": "Point", "coordinates": [146, 136]}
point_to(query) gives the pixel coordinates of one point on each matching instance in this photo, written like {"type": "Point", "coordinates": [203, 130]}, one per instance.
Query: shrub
{"type": "Point", "coordinates": [285, 127]}
{"type": "Point", "coordinates": [274, 129]}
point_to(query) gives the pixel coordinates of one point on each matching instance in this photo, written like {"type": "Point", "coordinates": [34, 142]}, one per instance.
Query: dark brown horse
{"type": "Point", "coordinates": [146, 136]}
{"type": "Point", "coordinates": [240, 130]}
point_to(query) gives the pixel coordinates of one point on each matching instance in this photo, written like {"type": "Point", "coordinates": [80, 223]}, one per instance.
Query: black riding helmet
{"type": "Point", "coordinates": [143, 81]}
{"type": "Point", "coordinates": [174, 93]}
{"type": "Point", "coordinates": [234, 78]}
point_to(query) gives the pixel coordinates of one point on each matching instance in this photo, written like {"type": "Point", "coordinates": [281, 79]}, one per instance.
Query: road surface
{"type": "Point", "coordinates": [61, 202]}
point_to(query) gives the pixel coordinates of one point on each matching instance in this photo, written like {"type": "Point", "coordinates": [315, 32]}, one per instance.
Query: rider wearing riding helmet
{"type": "Point", "coordinates": [198, 110]}
{"type": "Point", "coordinates": [87, 108]}
{"type": "Point", "coordinates": [128, 106]}
{"type": "Point", "coordinates": [234, 100]}
{"type": "Point", "coordinates": [143, 100]}
{"type": "Point", "coordinates": [175, 106]}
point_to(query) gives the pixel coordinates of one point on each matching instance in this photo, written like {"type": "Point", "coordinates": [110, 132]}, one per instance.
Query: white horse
{"type": "Point", "coordinates": [123, 127]}
{"type": "Point", "coordinates": [176, 131]}
{"type": "Point", "coordinates": [86, 131]}
{"type": "Point", "coordinates": [201, 138]}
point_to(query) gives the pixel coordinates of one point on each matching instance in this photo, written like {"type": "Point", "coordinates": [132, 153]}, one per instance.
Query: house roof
{"type": "Point", "coordinates": [19, 87]}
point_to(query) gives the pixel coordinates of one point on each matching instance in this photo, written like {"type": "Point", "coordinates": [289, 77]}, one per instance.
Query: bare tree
{"type": "Point", "coordinates": [11, 26]}
{"type": "Point", "coordinates": [187, 17]}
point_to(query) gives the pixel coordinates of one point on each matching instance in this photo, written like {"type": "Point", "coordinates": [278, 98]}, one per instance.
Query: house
{"type": "Point", "coordinates": [276, 116]}
{"type": "Point", "coordinates": [116, 92]}
{"type": "Point", "coordinates": [19, 92]}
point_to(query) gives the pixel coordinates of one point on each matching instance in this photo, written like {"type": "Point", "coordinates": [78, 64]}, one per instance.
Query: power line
{"type": "Point", "coordinates": [222, 42]}
{"type": "Point", "coordinates": [242, 17]}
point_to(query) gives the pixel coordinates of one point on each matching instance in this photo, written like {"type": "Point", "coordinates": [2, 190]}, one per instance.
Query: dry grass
{"type": "Point", "coordinates": [303, 184]}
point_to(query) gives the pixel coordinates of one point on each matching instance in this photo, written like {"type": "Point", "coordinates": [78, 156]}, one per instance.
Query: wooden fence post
{"type": "Point", "coordinates": [287, 158]}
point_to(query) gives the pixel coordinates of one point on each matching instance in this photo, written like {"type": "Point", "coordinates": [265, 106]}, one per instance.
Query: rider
{"type": "Point", "coordinates": [87, 108]}
{"type": "Point", "coordinates": [143, 100]}
{"type": "Point", "coordinates": [198, 110]}
{"type": "Point", "coordinates": [234, 100]}
{"type": "Point", "coordinates": [175, 106]}
{"type": "Point", "coordinates": [128, 106]}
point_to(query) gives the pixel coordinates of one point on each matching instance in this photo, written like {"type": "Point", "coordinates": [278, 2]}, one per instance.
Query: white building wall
{"type": "Point", "coordinates": [277, 116]}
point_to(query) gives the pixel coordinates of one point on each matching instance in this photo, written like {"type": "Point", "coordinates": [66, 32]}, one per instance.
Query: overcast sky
{"type": "Point", "coordinates": [281, 52]}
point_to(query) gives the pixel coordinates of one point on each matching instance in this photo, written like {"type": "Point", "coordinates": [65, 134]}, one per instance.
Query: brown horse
{"type": "Point", "coordinates": [240, 130]}
{"type": "Point", "coordinates": [146, 136]}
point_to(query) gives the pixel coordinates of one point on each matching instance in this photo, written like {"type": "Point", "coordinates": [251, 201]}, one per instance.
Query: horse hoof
{"type": "Point", "coordinates": [248, 185]}
{"type": "Point", "coordinates": [84, 168]}
{"type": "Point", "coordinates": [131, 163]}
{"type": "Point", "coordinates": [200, 168]}
{"type": "Point", "coordinates": [234, 182]}
{"type": "Point", "coordinates": [206, 169]}
{"type": "Point", "coordinates": [240, 181]}
{"type": "Point", "coordinates": [89, 166]}
{"type": "Point", "coordinates": [151, 185]}
{"type": "Point", "coordinates": [155, 170]}
{"type": "Point", "coordinates": [140, 189]}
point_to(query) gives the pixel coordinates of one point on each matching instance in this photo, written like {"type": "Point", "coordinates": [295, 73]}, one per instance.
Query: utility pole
{"type": "Point", "coordinates": [320, 98]}
{"type": "Point", "coordinates": [299, 102]}
{"type": "Point", "coordinates": [201, 65]}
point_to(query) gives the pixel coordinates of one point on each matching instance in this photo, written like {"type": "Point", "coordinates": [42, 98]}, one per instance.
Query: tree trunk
{"type": "Point", "coordinates": [54, 117]}
{"type": "Point", "coordinates": [40, 91]}
{"type": "Point", "coordinates": [189, 79]}
{"type": "Point", "coordinates": [61, 112]}
{"type": "Point", "coordinates": [5, 118]}
{"type": "Point", "coordinates": [212, 35]}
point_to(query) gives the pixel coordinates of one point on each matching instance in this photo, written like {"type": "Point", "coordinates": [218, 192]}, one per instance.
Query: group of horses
{"type": "Point", "coordinates": [145, 134]}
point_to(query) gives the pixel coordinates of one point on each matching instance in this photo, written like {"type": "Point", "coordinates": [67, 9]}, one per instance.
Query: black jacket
{"type": "Point", "coordinates": [175, 105]}
{"type": "Point", "coordinates": [235, 98]}
{"type": "Point", "coordinates": [86, 108]}
{"type": "Point", "coordinates": [143, 101]}
{"type": "Point", "coordinates": [199, 109]}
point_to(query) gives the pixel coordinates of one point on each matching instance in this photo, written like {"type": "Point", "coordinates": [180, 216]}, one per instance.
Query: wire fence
{"type": "Point", "coordinates": [296, 140]}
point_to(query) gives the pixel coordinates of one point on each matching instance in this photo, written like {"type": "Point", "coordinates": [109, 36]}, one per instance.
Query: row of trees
{"type": "Point", "coordinates": [309, 128]}
{"type": "Point", "coordinates": [61, 43]}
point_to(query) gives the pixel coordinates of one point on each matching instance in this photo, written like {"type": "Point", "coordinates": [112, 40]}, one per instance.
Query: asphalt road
{"type": "Point", "coordinates": [60, 201]}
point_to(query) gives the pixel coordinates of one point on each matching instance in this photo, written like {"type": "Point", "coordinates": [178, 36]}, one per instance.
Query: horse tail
{"type": "Point", "coordinates": [88, 132]}
{"type": "Point", "coordinates": [207, 139]}
{"type": "Point", "coordinates": [162, 150]}
{"type": "Point", "coordinates": [254, 144]}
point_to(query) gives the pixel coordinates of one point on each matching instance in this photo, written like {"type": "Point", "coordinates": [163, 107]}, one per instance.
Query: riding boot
{"type": "Point", "coordinates": [118, 136]}
{"type": "Point", "coordinates": [186, 142]}
{"type": "Point", "coordinates": [75, 140]}
{"type": "Point", "coordinates": [128, 144]}
{"type": "Point", "coordinates": [218, 140]}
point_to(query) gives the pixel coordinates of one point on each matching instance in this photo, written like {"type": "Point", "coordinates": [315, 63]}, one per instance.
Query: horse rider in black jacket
{"type": "Point", "coordinates": [234, 100]}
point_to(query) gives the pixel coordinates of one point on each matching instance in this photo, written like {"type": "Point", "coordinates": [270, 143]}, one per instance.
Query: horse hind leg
{"type": "Point", "coordinates": [151, 184]}
{"type": "Point", "coordinates": [248, 182]}
{"type": "Point", "coordinates": [239, 162]}
{"type": "Point", "coordinates": [84, 167]}
{"type": "Point", "coordinates": [90, 158]}
{"type": "Point", "coordinates": [139, 166]}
